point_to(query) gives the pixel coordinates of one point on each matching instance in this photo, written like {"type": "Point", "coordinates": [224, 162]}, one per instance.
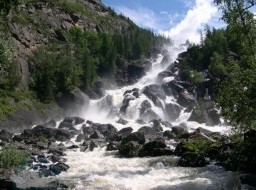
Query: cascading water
{"type": "Point", "coordinates": [99, 169]}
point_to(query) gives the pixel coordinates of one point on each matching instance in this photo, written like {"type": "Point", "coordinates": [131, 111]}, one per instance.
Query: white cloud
{"type": "Point", "coordinates": [195, 18]}
{"type": "Point", "coordinates": [141, 16]}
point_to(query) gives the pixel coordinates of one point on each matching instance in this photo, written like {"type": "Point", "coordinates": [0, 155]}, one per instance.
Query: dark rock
{"type": "Point", "coordinates": [192, 159]}
{"type": "Point", "coordinates": [147, 148]}
{"type": "Point", "coordinates": [73, 146]}
{"type": "Point", "coordinates": [197, 116]}
{"type": "Point", "coordinates": [105, 129]}
{"type": "Point", "coordinates": [62, 135]}
{"type": "Point", "coordinates": [5, 135]}
{"type": "Point", "coordinates": [87, 130]}
{"type": "Point", "coordinates": [178, 131]}
{"type": "Point", "coordinates": [96, 135]}
{"type": "Point", "coordinates": [149, 115]}
{"type": "Point", "coordinates": [157, 125]}
{"type": "Point", "coordinates": [112, 146]}
{"type": "Point", "coordinates": [250, 136]}
{"type": "Point", "coordinates": [51, 124]}
{"type": "Point", "coordinates": [125, 132]}
{"type": "Point", "coordinates": [163, 75]}
{"type": "Point", "coordinates": [56, 151]}
{"type": "Point", "coordinates": [248, 179]}
{"type": "Point", "coordinates": [82, 137]}
{"type": "Point", "coordinates": [42, 159]}
{"type": "Point", "coordinates": [93, 145]}
{"type": "Point", "coordinates": [161, 152]}
{"type": "Point", "coordinates": [7, 184]}
{"type": "Point", "coordinates": [122, 121]}
{"type": "Point", "coordinates": [41, 145]}
{"type": "Point", "coordinates": [152, 91]}
{"type": "Point", "coordinates": [145, 105]}
{"type": "Point", "coordinates": [169, 134]}
{"type": "Point", "coordinates": [149, 132]}
{"type": "Point", "coordinates": [129, 149]}
{"type": "Point", "coordinates": [67, 126]}
{"type": "Point", "coordinates": [54, 158]}
{"type": "Point", "coordinates": [59, 167]}
{"type": "Point", "coordinates": [136, 137]}
{"type": "Point", "coordinates": [186, 99]}
{"type": "Point", "coordinates": [172, 111]}
{"type": "Point", "coordinates": [74, 120]}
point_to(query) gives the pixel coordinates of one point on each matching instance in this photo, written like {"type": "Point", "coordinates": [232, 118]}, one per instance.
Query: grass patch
{"type": "Point", "coordinates": [11, 158]}
{"type": "Point", "coordinates": [12, 101]}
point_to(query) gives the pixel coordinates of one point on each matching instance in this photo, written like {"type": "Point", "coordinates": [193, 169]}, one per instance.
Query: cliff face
{"type": "Point", "coordinates": [38, 23]}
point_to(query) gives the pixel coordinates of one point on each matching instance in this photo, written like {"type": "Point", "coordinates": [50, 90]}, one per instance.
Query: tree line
{"type": "Point", "coordinates": [230, 56]}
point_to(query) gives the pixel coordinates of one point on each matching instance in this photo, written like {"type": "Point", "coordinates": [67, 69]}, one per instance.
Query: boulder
{"type": "Point", "coordinates": [192, 159]}
{"type": "Point", "coordinates": [169, 134]}
{"type": "Point", "coordinates": [67, 126]}
{"type": "Point", "coordinates": [5, 135]}
{"type": "Point", "coordinates": [112, 146]}
{"type": "Point", "coordinates": [138, 137]}
{"type": "Point", "coordinates": [163, 75]}
{"type": "Point", "coordinates": [166, 60]}
{"type": "Point", "coordinates": [104, 129]}
{"type": "Point", "coordinates": [147, 149]}
{"type": "Point", "coordinates": [74, 120]}
{"type": "Point", "coordinates": [172, 111]}
{"type": "Point", "coordinates": [149, 132]}
{"type": "Point", "coordinates": [122, 121]}
{"type": "Point", "coordinates": [96, 135]}
{"type": "Point", "coordinates": [51, 124]}
{"type": "Point", "coordinates": [125, 132]}
{"type": "Point", "coordinates": [129, 149]}
{"type": "Point", "coordinates": [152, 91]}
{"type": "Point", "coordinates": [58, 168]}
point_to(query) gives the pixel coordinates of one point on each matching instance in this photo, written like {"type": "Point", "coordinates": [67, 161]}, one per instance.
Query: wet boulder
{"type": "Point", "coordinates": [125, 132]}
{"type": "Point", "coordinates": [58, 168]}
{"type": "Point", "coordinates": [166, 60]}
{"type": "Point", "coordinates": [138, 137]}
{"type": "Point", "coordinates": [149, 132]}
{"type": "Point", "coordinates": [152, 91]}
{"type": "Point", "coordinates": [104, 129]}
{"type": "Point", "coordinates": [113, 145]}
{"type": "Point", "coordinates": [147, 149]}
{"type": "Point", "coordinates": [74, 120]}
{"type": "Point", "coordinates": [163, 75]}
{"type": "Point", "coordinates": [192, 159]}
{"type": "Point", "coordinates": [130, 149]}
{"type": "Point", "coordinates": [96, 135]}
{"type": "Point", "coordinates": [169, 134]}
{"type": "Point", "coordinates": [67, 126]}
{"type": "Point", "coordinates": [148, 115]}
{"type": "Point", "coordinates": [122, 121]}
{"type": "Point", "coordinates": [172, 111]}
{"type": "Point", "coordinates": [87, 130]}
{"type": "Point", "coordinates": [51, 124]}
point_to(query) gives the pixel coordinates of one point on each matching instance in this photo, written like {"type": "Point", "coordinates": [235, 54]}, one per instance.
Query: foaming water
{"type": "Point", "coordinates": [105, 170]}
{"type": "Point", "coordinates": [101, 170]}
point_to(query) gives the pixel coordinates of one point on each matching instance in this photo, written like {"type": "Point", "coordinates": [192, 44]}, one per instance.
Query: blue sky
{"type": "Point", "coordinates": [179, 19]}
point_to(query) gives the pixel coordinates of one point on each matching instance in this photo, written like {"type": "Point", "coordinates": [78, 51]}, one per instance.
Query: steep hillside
{"type": "Point", "coordinates": [52, 50]}
{"type": "Point", "coordinates": [38, 23]}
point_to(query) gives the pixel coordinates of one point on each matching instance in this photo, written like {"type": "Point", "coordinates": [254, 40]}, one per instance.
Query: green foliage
{"type": "Point", "coordinates": [9, 76]}
{"type": "Point", "coordinates": [11, 158]}
{"type": "Point", "coordinates": [6, 5]}
{"type": "Point", "coordinates": [54, 72]}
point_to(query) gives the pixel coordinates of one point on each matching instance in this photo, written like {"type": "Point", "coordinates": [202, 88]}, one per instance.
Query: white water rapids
{"type": "Point", "coordinates": [105, 170]}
